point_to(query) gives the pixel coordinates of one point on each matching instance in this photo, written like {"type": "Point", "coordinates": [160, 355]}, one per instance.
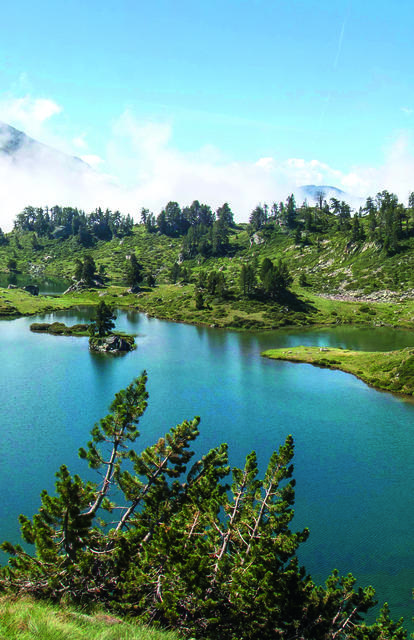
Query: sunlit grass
{"type": "Point", "coordinates": [24, 619]}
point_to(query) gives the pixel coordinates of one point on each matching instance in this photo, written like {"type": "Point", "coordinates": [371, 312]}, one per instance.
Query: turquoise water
{"type": "Point", "coordinates": [354, 461]}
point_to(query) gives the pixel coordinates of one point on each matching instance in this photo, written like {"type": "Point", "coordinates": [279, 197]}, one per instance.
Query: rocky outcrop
{"type": "Point", "coordinates": [80, 285]}
{"type": "Point", "coordinates": [111, 344]}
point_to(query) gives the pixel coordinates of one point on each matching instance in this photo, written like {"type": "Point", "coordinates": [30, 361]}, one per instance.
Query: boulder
{"type": "Point", "coordinates": [110, 344]}
{"type": "Point", "coordinates": [32, 289]}
{"type": "Point", "coordinates": [80, 285]}
{"type": "Point", "coordinates": [135, 289]}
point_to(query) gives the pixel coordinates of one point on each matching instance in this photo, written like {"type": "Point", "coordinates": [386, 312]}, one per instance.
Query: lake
{"type": "Point", "coordinates": [354, 461]}
{"type": "Point", "coordinates": [47, 285]}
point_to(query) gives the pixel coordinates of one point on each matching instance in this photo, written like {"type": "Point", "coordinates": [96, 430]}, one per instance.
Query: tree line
{"type": "Point", "coordinates": [65, 222]}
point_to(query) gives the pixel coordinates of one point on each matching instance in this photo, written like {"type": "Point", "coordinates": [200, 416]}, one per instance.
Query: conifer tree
{"type": "Point", "coordinates": [182, 548]}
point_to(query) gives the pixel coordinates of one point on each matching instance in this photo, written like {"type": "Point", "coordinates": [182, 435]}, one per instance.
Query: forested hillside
{"type": "Point", "coordinates": [291, 264]}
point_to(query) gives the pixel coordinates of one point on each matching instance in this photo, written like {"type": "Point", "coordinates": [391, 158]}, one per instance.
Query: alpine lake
{"type": "Point", "coordinates": [354, 454]}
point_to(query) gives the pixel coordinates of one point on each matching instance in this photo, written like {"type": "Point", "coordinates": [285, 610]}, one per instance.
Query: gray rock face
{"type": "Point", "coordinates": [110, 344]}
{"type": "Point", "coordinates": [80, 285]}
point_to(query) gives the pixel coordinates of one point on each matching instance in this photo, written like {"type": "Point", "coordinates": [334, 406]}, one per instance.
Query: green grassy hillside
{"type": "Point", "coordinates": [26, 619]}
{"type": "Point", "coordinates": [334, 280]}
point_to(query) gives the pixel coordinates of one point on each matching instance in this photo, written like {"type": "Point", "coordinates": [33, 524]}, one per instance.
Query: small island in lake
{"type": "Point", "coordinates": [60, 329]}
{"type": "Point", "coordinates": [389, 370]}
{"type": "Point", "coordinates": [101, 337]}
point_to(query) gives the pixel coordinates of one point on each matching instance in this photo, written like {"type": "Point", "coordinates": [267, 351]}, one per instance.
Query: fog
{"type": "Point", "coordinates": [141, 167]}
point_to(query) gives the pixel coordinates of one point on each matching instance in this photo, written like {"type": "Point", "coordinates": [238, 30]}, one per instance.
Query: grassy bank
{"type": "Point", "coordinates": [391, 370]}
{"type": "Point", "coordinates": [177, 302]}
{"type": "Point", "coordinates": [25, 619]}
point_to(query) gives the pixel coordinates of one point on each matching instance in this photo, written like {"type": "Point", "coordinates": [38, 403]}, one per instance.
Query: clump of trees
{"type": "Point", "coordinates": [275, 279]}
{"type": "Point", "coordinates": [203, 231]}
{"type": "Point", "coordinates": [187, 546]}
{"type": "Point", "coordinates": [65, 222]}
{"type": "Point", "coordinates": [85, 270]}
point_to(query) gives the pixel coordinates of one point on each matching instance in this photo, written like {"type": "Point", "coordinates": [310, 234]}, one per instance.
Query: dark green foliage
{"type": "Point", "coordinates": [258, 218]}
{"type": "Point", "coordinates": [267, 265]}
{"type": "Point", "coordinates": [406, 372]}
{"type": "Point", "coordinates": [60, 329]}
{"type": "Point", "coordinates": [62, 222]}
{"type": "Point", "coordinates": [290, 212]}
{"type": "Point", "coordinates": [78, 269]}
{"type": "Point", "coordinates": [247, 279]}
{"type": "Point", "coordinates": [216, 284]}
{"type": "Point", "coordinates": [3, 238]}
{"type": "Point", "coordinates": [183, 548]}
{"type": "Point", "coordinates": [85, 270]}
{"type": "Point", "coordinates": [199, 299]}
{"type": "Point", "coordinates": [103, 321]}
{"type": "Point", "coordinates": [134, 271]}
{"type": "Point", "coordinates": [12, 264]}
{"type": "Point", "coordinates": [225, 215]}
{"type": "Point", "coordinates": [175, 272]}
{"type": "Point", "coordinates": [276, 279]}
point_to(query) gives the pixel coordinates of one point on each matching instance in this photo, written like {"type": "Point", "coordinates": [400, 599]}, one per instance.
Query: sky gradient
{"type": "Point", "coordinates": [238, 100]}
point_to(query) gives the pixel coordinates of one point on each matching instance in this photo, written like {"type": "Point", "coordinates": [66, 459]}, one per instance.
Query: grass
{"type": "Point", "coordinates": [332, 268]}
{"type": "Point", "coordinates": [177, 302]}
{"type": "Point", "coordinates": [60, 329]}
{"type": "Point", "coordinates": [25, 619]}
{"type": "Point", "coordinates": [390, 370]}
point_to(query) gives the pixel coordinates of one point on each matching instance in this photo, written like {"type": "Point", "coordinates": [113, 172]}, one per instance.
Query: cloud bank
{"type": "Point", "coordinates": [142, 168]}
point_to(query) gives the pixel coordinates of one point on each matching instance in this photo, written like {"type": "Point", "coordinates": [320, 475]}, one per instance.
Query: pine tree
{"type": "Point", "coordinates": [182, 548]}
{"type": "Point", "coordinates": [103, 321]}
{"type": "Point", "coordinates": [134, 271]}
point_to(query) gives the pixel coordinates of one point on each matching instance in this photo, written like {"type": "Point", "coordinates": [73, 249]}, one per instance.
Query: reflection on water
{"type": "Point", "coordinates": [353, 463]}
{"type": "Point", "coordinates": [47, 285]}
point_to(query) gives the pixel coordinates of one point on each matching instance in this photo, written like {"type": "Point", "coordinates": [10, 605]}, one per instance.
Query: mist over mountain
{"type": "Point", "coordinates": [19, 147]}
{"type": "Point", "coordinates": [36, 174]}
{"type": "Point", "coordinates": [147, 176]}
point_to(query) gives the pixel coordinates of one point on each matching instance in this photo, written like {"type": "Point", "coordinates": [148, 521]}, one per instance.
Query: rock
{"type": "Point", "coordinates": [135, 289]}
{"type": "Point", "coordinates": [32, 289]}
{"type": "Point", "coordinates": [110, 344]}
{"type": "Point", "coordinates": [256, 239]}
{"type": "Point", "coordinates": [80, 285]}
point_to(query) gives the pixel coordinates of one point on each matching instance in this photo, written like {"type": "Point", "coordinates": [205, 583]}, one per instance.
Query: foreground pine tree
{"type": "Point", "coordinates": [181, 548]}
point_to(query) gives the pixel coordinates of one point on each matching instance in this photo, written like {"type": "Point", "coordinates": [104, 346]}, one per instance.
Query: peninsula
{"type": "Point", "coordinates": [390, 370]}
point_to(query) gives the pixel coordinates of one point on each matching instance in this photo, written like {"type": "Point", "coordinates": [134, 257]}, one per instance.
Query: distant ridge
{"type": "Point", "coordinates": [17, 145]}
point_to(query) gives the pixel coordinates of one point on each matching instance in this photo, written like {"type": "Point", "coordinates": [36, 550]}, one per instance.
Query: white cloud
{"type": "Point", "coordinates": [92, 159]}
{"type": "Point", "coordinates": [141, 167]}
{"type": "Point", "coordinates": [407, 111]}
{"type": "Point", "coordinates": [79, 142]}
{"type": "Point", "coordinates": [28, 113]}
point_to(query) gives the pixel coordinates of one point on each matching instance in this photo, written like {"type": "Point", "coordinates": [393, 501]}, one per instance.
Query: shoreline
{"type": "Point", "coordinates": [388, 371]}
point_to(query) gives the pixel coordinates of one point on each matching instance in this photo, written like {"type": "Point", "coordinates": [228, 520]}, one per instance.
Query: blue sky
{"type": "Point", "coordinates": [183, 99]}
